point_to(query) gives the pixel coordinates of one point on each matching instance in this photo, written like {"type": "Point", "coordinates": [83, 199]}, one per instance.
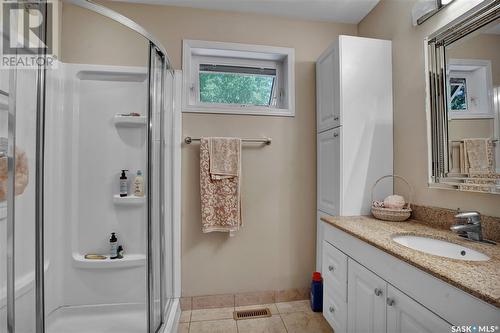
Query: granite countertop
{"type": "Point", "coordinates": [479, 278]}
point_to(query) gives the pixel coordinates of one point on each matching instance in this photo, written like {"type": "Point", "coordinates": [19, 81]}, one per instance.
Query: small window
{"type": "Point", "coordinates": [237, 85]}
{"type": "Point", "coordinates": [237, 79]}
{"type": "Point", "coordinates": [458, 94]}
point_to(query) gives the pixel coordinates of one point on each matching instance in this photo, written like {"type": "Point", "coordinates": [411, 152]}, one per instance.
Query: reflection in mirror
{"type": "Point", "coordinates": [463, 101]}
{"type": "Point", "coordinates": [473, 88]}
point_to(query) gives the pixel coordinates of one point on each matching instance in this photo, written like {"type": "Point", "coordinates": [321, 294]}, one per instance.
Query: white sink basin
{"type": "Point", "coordinates": [440, 248]}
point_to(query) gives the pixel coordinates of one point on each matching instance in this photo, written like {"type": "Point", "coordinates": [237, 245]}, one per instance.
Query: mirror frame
{"type": "Point", "coordinates": [436, 94]}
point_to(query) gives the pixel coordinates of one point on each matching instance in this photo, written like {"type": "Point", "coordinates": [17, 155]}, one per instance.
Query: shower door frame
{"type": "Point", "coordinates": [153, 52]}
{"type": "Point", "coordinates": [154, 46]}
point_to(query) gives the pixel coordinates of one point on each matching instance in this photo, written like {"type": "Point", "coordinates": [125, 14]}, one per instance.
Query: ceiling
{"type": "Point", "coordinates": [345, 11]}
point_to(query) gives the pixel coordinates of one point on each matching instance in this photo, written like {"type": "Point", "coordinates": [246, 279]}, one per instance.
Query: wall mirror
{"type": "Point", "coordinates": [463, 101]}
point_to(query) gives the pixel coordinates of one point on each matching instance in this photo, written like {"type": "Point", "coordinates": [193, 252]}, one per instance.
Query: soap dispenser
{"type": "Point", "coordinates": [113, 246]}
{"type": "Point", "coordinates": [123, 184]}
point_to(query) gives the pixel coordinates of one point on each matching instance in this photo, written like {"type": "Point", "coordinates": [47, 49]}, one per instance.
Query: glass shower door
{"type": "Point", "coordinates": [90, 129]}
{"type": "Point", "coordinates": [156, 207]}
{"type": "Point", "coordinates": [18, 100]}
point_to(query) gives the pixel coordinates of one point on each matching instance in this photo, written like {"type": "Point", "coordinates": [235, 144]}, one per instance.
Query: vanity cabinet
{"type": "Point", "coordinates": [366, 289]}
{"type": "Point", "coordinates": [366, 300]}
{"type": "Point", "coordinates": [335, 287]}
{"type": "Point", "coordinates": [357, 300]}
{"type": "Point", "coordinates": [404, 315]}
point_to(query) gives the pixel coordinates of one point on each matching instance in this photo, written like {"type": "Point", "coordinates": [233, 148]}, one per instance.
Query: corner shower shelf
{"type": "Point", "coordinates": [129, 260]}
{"type": "Point", "coordinates": [130, 200]}
{"type": "Point", "coordinates": [130, 121]}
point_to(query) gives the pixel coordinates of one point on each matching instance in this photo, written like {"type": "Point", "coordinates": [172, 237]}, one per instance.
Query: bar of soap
{"type": "Point", "coordinates": [95, 257]}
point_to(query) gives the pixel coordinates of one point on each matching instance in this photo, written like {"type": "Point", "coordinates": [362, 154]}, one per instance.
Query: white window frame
{"type": "Point", "coordinates": [234, 54]}
{"type": "Point", "coordinates": [477, 74]}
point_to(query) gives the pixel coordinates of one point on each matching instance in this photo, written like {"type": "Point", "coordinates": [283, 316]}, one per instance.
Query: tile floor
{"type": "Point", "coordinates": [291, 317]}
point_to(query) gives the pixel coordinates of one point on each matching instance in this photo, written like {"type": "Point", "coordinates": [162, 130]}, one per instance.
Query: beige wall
{"type": "Point", "coordinates": [482, 47]}
{"type": "Point", "coordinates": [276, 247]}
{"type": "Point", "coordinates": [392, 20]}
{"type": "Point", "coordinates": [459, 129]}
{"type": "Point", "coordinates": [89, 38]}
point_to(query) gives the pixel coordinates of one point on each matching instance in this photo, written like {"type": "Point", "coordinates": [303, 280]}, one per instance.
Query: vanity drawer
{"type": "Point", "coordinates": [335, 311]}
{"type": "Point", "coordinates": [334, 270]}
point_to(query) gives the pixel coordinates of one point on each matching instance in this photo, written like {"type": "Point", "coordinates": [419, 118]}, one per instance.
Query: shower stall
{"type": "Point", "coordinates": [66, 133]}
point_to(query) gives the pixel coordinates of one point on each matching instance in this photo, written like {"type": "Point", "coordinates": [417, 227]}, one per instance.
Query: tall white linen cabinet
{"type": "Point", "coordinates": [354, 127]}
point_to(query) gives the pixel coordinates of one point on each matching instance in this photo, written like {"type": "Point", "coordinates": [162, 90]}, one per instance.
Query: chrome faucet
{"type": "Point", "coordinates": [471, 229]}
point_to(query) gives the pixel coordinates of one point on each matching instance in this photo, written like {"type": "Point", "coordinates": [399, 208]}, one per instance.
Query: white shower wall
{"type": "Point", "coordinates": [92, 150]}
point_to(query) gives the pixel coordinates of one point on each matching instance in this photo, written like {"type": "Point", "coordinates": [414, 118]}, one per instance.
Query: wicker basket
{"type": "Point", "coordinates": [391, 214]}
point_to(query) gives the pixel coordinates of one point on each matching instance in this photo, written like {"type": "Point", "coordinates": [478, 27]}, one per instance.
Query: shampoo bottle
{"type": "Point", "coordinates": [113, 246]}
{"type": "Point", "coordinates": [123, 184]}
{"type": "Point", "coordinates": [139, 184]}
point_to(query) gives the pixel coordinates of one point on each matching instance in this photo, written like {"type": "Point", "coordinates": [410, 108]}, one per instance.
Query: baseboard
{"type": "Point", "coordinates": [242, 299]}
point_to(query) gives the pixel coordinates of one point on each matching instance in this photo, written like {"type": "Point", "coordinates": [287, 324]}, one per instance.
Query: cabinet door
{"type": "Point", "coordinates": [329, 171]}
{"type": "Point", "coordinates": [366, 300]}
{"type": "Point", "coordinates": [335, 287]}
{"type": "Point", "coordinates": [335, 270]}
{"type": "Point", "coordinates": [326, 109]}
{"type": "Point", "coordinates": [334, 310]}
{"type": "Point", "coordinates": [405, 315]}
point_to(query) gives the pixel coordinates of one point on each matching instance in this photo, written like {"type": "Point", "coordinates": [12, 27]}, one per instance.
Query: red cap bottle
{"type": "Point", "coordinates": [316, 276]}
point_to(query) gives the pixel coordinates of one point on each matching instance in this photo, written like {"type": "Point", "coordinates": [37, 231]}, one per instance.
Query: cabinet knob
{"type": "Point", "coordinates": [336, 118]}
{"type": "Point", "coordinates": [331, 309]}
{"type": "Point", "coordinates": [331, 268]}
{"type": "Point", "coordinates": [335, 135]}
{"type": "Point", "coordinates": [390, 301]}
{"type": "Point", "coordinates": [378, 291]}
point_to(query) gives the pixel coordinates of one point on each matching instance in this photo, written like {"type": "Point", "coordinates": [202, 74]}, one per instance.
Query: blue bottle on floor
{"type": "Point", "coordinates": [317, 292]}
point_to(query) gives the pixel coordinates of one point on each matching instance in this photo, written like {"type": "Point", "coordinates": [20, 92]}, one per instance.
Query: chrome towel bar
{"type": "Point", "coordinates": [188, 140]}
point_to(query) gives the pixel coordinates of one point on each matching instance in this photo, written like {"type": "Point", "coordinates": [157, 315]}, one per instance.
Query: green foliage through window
{"type": "Point", "coordinates": [236, 88]}
{"type": "Point", "coordinates": [458, 94]}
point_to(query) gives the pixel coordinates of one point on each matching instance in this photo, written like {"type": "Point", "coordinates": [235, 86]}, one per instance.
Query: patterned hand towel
{"type": "Point", "coordinates": [480, 155]}
{"type": "Point", "coordinates": [220, 172]}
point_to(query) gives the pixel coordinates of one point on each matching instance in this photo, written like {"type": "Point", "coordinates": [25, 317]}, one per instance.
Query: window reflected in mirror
{"type": "Point", "coordinates": [457, 94]}
{"type": "Point", "coordinates": [473, 110]}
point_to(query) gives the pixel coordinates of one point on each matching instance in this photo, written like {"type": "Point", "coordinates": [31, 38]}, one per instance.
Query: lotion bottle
{"type": "Point", "coordinates": [113, 246]}
{"type": "Point", "coordinates": [139, 184]}
{"type": "Point", "coordinates": [123, 184]}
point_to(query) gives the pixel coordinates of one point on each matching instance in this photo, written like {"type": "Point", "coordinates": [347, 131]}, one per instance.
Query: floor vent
{"type": "Point", "coordinates": [252, 314]}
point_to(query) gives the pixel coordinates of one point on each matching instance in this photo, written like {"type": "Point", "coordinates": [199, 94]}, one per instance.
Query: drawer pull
{"type": "Point", "coordinates": [331, 268]}
{"type": "Point", "coordinates": [335, 135]}
{"type": "Point", "coordinates": [336, 118]}
{"type": "Point", "coordinates": [378, 292]}
{"type": "Point", "coordinates": [390, 301]}
{"type": "Point", "coordinates": [331, 309]}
